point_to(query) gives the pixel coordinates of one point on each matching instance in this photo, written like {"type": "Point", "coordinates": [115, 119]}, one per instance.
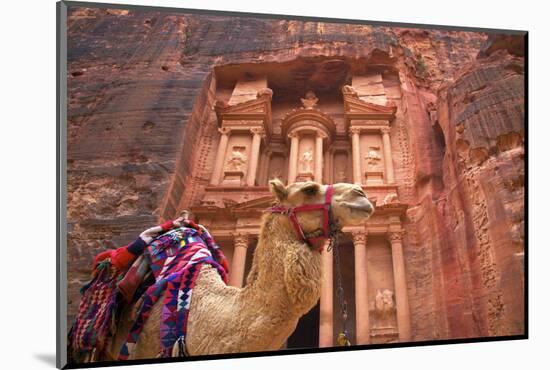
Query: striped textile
{"type": "Point", "coordinates": [175, 258]}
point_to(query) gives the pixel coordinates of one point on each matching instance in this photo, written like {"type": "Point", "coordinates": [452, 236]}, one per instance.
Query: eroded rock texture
{"type": "Point", "coordinates": [141, 88]}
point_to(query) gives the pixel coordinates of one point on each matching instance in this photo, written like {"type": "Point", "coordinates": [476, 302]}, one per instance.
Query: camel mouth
{"type": "Point", "coordinates": [364, 209]}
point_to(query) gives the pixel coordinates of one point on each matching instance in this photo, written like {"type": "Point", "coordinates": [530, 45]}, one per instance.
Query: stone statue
{"type": "Point", "coordinates": [238, 159]}
{"type": "Point", "coordinates": [276, 174]}
{"type": "Point", "coordinates": [341, 176]}
{"type": "Point", "coordinates": [307, 159]}
{"type": "Point", "coordinates": [384, 307]}
{"type": "Point", "coordinates": [373, 156]}
{"type": "Point", "coordinates": [310, 100]}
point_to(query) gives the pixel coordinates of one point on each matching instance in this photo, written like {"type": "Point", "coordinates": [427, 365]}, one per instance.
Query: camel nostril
{"type": "Point", "coordinates": [369, 208]}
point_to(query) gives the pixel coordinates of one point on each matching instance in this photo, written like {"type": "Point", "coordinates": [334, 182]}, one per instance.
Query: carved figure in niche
{"type": "Point", "coordinates": [238, 159]}
{"type": "Point", "coordinates": [306, 161]}
{"type": "Point", "coordinates": [373, 156]}
{"type": "Point", "coordinates": [384, 307]}
{"type": "Point", "coordinates": [310, 100]}
{"type": "Point", "coordinates": [276, 174]}
{"type": "Point", "coordinates": [341, 176]}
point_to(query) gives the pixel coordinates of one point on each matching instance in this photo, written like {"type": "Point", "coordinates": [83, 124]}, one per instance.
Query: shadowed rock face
{"type": "Point", "coordinates": [142, 84]}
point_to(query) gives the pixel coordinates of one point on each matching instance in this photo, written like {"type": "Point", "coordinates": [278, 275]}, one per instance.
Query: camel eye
{"type": "Point", "coordinates": [310, 190]}
{"type": "Point", "coordinates": [359, 192]}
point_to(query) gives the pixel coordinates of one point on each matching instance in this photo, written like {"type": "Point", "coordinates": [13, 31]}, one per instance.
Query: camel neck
{"type": "Point", "coordinates": [285, 271]}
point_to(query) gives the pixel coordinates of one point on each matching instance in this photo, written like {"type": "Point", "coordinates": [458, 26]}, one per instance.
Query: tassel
{"type": "Point", "coordinates": [178, 350]}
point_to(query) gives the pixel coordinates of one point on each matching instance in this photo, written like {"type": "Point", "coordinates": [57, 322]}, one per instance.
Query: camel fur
{"type": "Point", "coordinates": [283, 284]}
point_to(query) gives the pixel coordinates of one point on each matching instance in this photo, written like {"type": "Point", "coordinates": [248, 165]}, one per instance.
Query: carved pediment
{"type": "Point", "coordinates": [356, 108]}
{"type": "Point", "coordinates": [256, 109]}
{"type": "Point", "coordinates": [308, 117]}
{"type": "Point", "coordinates": [232, 209]}
{"type": "Point", "coordinates": [254, 204]}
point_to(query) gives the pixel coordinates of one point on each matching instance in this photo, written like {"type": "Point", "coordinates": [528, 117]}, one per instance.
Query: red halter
{"type": "Point", "coordinates": [292, 211]}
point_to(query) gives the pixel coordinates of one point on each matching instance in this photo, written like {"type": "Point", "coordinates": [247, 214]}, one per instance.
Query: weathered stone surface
{"type": "Point", "coordinates": [143, 136]}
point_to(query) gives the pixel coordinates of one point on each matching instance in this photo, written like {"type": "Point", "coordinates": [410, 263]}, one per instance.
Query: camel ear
{"type": "Point", "coordinates": [278, 189]}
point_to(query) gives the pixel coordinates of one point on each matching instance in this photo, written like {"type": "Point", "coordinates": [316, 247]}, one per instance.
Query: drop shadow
{"type": "Point", "coordinates": [47, 358]}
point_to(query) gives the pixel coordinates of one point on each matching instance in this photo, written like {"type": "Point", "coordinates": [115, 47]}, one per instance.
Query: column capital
{"type": "Point", "coordinates": [359, 237]}
{"type": "Point", "coordinates": [396, 236]}
{"type": "Point", "coordinates": [258, 131]}
{"type": "Point", "coordinates": [293, 135]}
{"type": "Point", "coordinates": [240, 239]}
{"type": "Point", "coordinates": [385, 130]}
{"type": "Point", "coordinates": [321, 134]}
{"type": "Point", "coordinates": [354, 130]}
{"type": "Point", "coordinates": [224, 130]}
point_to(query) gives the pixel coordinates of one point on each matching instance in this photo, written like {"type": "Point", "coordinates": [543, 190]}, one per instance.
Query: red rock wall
{"type": "Point", "coordinates": [141, 87]}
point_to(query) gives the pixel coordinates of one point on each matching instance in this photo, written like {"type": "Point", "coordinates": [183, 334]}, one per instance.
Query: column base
{"type": "Point", "coordinates": [233, 178]}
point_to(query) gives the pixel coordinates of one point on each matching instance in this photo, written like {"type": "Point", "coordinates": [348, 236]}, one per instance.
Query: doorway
{"type": "Point", "coordinates": [306, 334]}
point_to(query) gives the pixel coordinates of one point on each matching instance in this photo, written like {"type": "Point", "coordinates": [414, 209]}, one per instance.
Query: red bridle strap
{"type": "Point", "coordinates": [292, 211]}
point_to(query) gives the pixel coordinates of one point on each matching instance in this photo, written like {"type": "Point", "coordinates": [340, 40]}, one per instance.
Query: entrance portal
{"type": "Point", "coordinates": [306, 334]}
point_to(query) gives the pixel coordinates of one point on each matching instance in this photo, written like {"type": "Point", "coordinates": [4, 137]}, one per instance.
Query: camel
{"type": "Point", "coordinates": [283, 284]}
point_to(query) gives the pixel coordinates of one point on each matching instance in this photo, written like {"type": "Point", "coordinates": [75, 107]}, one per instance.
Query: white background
{"type": "Point", "coordinates": [27, 124]}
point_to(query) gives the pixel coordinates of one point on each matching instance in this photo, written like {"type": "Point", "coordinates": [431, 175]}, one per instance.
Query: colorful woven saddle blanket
{"type": "Point", "coordinates": [175, 258]}
{"type": "Point", "coordinates": [94, 322]}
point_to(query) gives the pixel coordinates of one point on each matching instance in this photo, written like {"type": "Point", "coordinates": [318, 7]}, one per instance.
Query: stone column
{"type": "Point", "coordinates": [220, 156]}
{"type": "Point", "coordinates": [236, 274]}
{"type": "Point", "coordinates": [401, 296]}
{"type": "Point", "coordinates": [355, 132]}
{"type": "Point", "coordinates": [387, 155]}
{"type": "Point", "coordinates": [327, 166]}
{"type": "Point", "coordinates": [293, 157]}
{"type": "Point", "coordinates": [362, 322]}
{"type": "Point", "coordinates": [265, 159]}
{"type": "Point", "coordinates": [319, 157]}
{"type": "Point", "coordinates": [257, 133]}
{"type": "Point", "coordinates": [326, 330]}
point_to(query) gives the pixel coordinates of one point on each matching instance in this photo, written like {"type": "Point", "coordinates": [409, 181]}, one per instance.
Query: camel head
{"type": "Point", "coordinates": [350, 205]}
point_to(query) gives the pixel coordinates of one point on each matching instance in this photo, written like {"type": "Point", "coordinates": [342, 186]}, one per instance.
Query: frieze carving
{"type": "Point", "coordinates": [242, 122]}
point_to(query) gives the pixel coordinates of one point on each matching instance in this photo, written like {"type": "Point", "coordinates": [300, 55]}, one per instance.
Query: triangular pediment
{"type": "Point", "coordinates": [250, 106]}
{"type": "Point", "coordinates": [259, 108]}
{"type": "Point", "coordinates": [262, 202]}
{"type": "Point", "coordinates": [355, 106]}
